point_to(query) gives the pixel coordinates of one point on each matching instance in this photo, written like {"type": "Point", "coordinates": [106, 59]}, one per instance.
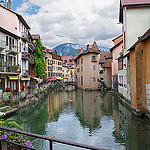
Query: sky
{"type": "Point", "coordinates": [71, 21]}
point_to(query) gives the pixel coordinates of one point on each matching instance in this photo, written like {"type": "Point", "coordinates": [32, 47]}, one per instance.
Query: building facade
{"type": "Point", "coordinates": [116, 51]}
{"type": "Point", "coordinates": [86, 68]}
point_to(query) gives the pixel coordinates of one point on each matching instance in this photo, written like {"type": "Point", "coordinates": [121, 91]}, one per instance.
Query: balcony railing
{"type": "Point", "coordinates": [9, 69]}
{"type": "Point", "coordinates": [25, 55]}
{"type": "Point", "coordinates": [24, 36]}
{"type": "Point", "coordinates": [2, 45]}
{"type": "Point", "coordinates": [12, 49]}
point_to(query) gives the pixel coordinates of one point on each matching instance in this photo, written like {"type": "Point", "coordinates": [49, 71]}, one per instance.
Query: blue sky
{"type": "Point", "coordinates": [18, 3]}
{"type": "Point", "coordinates": [71, 21]}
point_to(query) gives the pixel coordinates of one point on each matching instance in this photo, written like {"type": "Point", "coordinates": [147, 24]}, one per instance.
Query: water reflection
{"type": "Point", "coordinates": [89, 117]}
{"type": "Point", "coordinates": [88, 109]}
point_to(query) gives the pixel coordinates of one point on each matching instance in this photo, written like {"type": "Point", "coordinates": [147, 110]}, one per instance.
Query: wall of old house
{"type": "Point", "coordinates": [147, 78]}
{"type": "Point", "coordinates": [138, 77]}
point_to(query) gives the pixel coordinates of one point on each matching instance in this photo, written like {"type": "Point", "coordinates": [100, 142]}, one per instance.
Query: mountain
{"type": "Point", "coordinates": [71, 49]}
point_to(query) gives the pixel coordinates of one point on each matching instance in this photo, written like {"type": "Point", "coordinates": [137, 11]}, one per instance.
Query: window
{"type": "Point", "coordinates": [101, 72]}
{"type": "Point", "coordinates": [81, 69]}
{"type": "Point", "coordinates": [81, 60]}
{"type": "Point", "coordinates": [6, 40]}
{"type": "Point", "coordinates": [120, 64]}
{"type": "Point", "coordinates": [94, 67]}
{"type": "Point", "coordinates": [121, 81]}
{"type": "Point", "coordinates": [81, 80]}
{"type": "Point", "coordinates": [93, 58]}
{"type": "Point", "coordinates": [78, 62]}
{"type": "Point", "coordinates": [93, 79]}
{"type": "Point", "coordinates": [78, 69]}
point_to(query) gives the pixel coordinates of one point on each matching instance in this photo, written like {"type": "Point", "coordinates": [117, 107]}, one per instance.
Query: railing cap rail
{"type": "Point", "coordinates": [54, 139]}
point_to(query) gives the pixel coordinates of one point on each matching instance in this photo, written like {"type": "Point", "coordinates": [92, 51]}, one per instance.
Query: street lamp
{"type": "Point", "coordinates": [43, 78]}
{"type": "Point", "coordinates": [18, 72]}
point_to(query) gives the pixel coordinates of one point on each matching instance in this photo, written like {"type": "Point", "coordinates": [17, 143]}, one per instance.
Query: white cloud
{"type": "Point", "coordinates": [78, 21]}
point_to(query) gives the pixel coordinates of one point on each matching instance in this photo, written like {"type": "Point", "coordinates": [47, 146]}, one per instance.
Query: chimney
{"type": "Point", "coordinates": [2, 3]}
{"type": "Point", "coordinates": [5, 3]}
{"type": "Point", "coordinates": [88, 47]}
{"type": "Point", "coordinates": [9, 4]}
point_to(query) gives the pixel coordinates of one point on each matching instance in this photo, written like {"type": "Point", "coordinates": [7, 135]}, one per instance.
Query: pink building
{"type": "Point", "coordinates": [116, 51]}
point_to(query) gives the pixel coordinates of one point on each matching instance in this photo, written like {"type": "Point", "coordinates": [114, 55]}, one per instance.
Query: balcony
{"type": "Point", "coordinates": [9, 69]}
{"type": "Point", "coordinates": [24, 36]}
{"type": "Point", "coordinates": [31, 60]}
{"type": "Point", "coordinates": [25, 56]}
{"type": "Point", "coordinates": [12, 49]}
{"type": "Point", "coordinates": [2, 45]}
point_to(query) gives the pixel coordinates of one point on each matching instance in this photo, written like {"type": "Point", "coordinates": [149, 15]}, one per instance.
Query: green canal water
{"type": "Point", "coordinates": [88, 117]}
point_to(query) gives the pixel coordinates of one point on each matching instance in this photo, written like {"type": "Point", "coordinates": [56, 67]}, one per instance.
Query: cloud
{"type": "Point", "coordinates": [78, 21]}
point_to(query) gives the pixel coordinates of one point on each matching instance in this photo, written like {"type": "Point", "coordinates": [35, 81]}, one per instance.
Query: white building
{"type": "Point", "coordinates": [16, 25]}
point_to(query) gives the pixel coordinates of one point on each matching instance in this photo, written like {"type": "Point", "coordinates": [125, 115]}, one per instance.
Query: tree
{"type": "Point", "coordinates": [39, 59]}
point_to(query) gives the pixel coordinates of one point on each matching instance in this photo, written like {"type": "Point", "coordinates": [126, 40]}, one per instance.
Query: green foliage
{"type": "Point", "coordinates": [12, 136]}
{"type": "Point", "coordinates": [39, 59]}
{"type": "Point", "coordinates": [36, 92]}
{"type": "Point", "coordinates": [7, 96]}
{"type": "Point", "coordinates": [24, 95]}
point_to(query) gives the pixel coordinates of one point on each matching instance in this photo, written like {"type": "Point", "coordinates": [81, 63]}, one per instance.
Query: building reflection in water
{"type": "Point", "coordinates": [129, 130]}
{"type": "Point", "coordinates": [59, 101]}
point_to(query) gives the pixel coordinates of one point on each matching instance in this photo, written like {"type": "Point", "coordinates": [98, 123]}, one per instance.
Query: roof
{"type": "Point", "coordinates": [103, 56]}
{"type": "Point", "coordinates": [35, 36]}
{"type": "Point", "coordinates": [66, 60]}
{"type": "Point", "coordinates": [94, 49]}
{"type": "Point", "coordinates": [107, 64]}
{"type": "Point", "coordinates": [131, 3]}
{"type": "Point", "coordinates": [115, 46]}
{"type": "Point", "coordinates": [117, 37]}
{"type": "Point", "coordinates": [145, 36]}
{"type": "Point", "coordinates": [134, 2]}
{"type": "Point", "coordinates": [19, 17]}
{"type": "Point", "coordinates": [9, 33]}
{"type": "Point", "coordinates": [94, 46]}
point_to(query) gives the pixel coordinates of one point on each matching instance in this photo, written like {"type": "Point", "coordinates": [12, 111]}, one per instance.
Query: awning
{"type": "Point", "coordinates": [25, 79]}
{"type": "Point", "coordinates": [37, 79]}
{"type": "Point", "coordinates": [13, 78]}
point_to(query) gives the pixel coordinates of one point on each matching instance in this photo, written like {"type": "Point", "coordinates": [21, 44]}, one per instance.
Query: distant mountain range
{"type": "Point", "coordinates": [71, 49]}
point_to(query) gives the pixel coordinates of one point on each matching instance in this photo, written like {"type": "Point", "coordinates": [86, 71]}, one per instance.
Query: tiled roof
{"type": "Point", "coordinates": [103, 56]}
{"type": "Point", "coordinates": [107, 64]}
{"type": "Point", "coordinates": [94, 49]}
{"type": "Point", "coordinates": [134, 2]}
{"type": "Point", "coordinates": [35, 36]}
{"type": "Point", "coordinates": [145, 36]}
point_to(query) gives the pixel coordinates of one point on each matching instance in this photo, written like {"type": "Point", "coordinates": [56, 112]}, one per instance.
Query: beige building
{"type": "Point", "coordinates": [104, 69]}
{"type": "Point", "coordinates": [86, 68]}
{"type": "Point", "coordinates": [49, 64]}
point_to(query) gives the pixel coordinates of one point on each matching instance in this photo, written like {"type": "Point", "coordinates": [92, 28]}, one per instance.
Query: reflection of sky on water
{"type": "Point", "coordinates": [88, 117]}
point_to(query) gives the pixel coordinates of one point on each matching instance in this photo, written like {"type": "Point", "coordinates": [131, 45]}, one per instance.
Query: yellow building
{"type": "Point", "coordinates": [57, 65]}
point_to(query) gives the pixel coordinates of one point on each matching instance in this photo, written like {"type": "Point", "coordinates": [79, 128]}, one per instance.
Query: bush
{"type": "Point", "coordinates": [12, 136]}
{"type": "Point", "coordinates": [36, 92]}
{"type": "Point", "coordinates": [23, 95]}
{"type": "Point", "coordinates": [41, 90]}
{"type": "Point", "coordinates": [7, 96]}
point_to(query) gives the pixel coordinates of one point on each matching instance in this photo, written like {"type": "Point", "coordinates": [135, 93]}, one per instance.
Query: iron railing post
{"type": "Point", "coordinates": [51, 145]}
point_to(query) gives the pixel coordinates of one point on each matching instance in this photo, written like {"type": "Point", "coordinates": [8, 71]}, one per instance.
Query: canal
{"type": "Point", "coordinates": [88, 117]}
